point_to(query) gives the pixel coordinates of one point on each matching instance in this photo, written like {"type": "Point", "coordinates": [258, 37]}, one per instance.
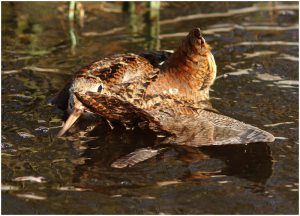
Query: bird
{"type": "Point", "coordinates": [164, 91]}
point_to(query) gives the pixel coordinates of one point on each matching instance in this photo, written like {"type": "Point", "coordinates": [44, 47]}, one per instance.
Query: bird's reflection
{"type": "Point", "coordinates": [252, 162]}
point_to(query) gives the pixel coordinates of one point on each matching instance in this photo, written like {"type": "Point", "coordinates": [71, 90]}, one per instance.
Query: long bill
{"type": "Point", "coordinates": [70, 121]}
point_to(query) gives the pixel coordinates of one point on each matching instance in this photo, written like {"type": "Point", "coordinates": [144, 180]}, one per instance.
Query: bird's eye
{"type": "Point", "coordinates": [100, 88]}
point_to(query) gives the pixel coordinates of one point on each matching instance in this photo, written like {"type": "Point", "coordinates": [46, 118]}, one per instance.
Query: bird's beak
{"type": "Point", "coordinates": [70, 121]}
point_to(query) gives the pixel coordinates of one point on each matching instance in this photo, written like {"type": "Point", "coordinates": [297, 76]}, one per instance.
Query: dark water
{"type": "Point", "coordinates": [255, 43]}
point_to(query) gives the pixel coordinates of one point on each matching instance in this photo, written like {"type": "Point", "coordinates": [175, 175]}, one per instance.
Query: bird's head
{"type": "Point", "coordinates": [80, 85]}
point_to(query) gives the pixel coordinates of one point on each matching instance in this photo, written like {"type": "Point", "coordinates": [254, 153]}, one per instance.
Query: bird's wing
{"type": "Point", "coordinates": [201, 125]}
{"type": "Point", "coordinates": [208, 128]}
{"type": "Point", "coordinates": [182, 123]}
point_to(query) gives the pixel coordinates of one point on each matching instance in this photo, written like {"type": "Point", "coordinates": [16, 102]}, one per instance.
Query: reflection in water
{"type": "Point", "coordinates": [72, 7]}
{"type": "Point", "coordinates": [153, 26]}
{"type": "Point", "coordinates": [130, 9]}
{"type": "Point", "coordinates": [252, 162]}
{"type": "Point", "coordinates": [75, 13]}
{"type": "Point", "coordinates": [149, 20]}
{"type": "Point", "coordinates": [111, 142]}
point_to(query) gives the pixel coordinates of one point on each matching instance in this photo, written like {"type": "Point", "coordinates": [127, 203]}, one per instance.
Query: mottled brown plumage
{"type": "Point", "coordinates": [163, 91]}
{"type": "Point", "coordinates": [189, 71]}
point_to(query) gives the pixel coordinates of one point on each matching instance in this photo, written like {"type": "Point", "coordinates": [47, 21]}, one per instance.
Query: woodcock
{"type": "Point", "coordinates": [163, 91]}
